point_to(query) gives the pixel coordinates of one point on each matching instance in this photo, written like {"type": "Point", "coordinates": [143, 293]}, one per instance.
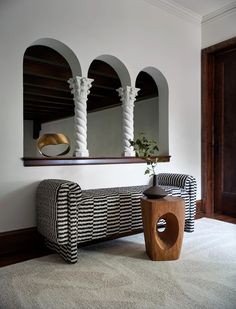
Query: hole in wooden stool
{"type": "Point", "coordinates": [167, 237]}
{"type": "Point", "coordinates": [161, 225]}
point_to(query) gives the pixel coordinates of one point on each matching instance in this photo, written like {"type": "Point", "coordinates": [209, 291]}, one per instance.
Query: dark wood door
{"type": "Point", "coordinates": [224, 139]}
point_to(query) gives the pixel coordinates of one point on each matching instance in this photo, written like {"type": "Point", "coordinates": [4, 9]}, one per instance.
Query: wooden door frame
{"type": "Point", "coordinates": [207, 116]}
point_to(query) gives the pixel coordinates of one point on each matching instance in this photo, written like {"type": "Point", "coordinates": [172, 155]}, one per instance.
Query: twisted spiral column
{"type": "Point", "coordinates": [80, 89]}
{"type": "Point", "coordinates": [128, 95]}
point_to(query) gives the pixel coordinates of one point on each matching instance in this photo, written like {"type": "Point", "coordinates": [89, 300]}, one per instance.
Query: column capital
{"type": "Point", "coordinates": [80, 85]}
{"type": "Point", "coordinates": [128, 94]}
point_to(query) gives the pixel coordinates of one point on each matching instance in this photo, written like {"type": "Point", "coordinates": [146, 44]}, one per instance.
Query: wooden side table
{"type": "Point", "coordinates": [163, 245]}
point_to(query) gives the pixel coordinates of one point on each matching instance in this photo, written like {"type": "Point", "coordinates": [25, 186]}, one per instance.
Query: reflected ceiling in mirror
{"type": "Point", "coordinates": [47, 96]}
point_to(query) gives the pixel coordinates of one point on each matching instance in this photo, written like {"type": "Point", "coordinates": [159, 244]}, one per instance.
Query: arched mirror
{"type": "Point", "coordinates": [146, 115]}
{"type": "Point", "coordinates": [152, 115]}
{"type": "Point", "coordinates": [104, 118]}
{"type": "Point", "coordinates": [48, 102]}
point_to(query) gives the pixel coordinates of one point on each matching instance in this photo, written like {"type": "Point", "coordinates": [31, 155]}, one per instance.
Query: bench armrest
{"type": "Point", "coordinates": [57, 209]}
{"type": "Point", "coordinates": [187, 182]}
{"type": "Point", "coordinates": [176, 180]}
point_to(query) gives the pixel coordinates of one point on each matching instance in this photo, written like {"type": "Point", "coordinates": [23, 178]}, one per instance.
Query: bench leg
{"type": "Point", "coordinates": [189, 225]}
{"type": "Point", "coordinates": [68, 252]}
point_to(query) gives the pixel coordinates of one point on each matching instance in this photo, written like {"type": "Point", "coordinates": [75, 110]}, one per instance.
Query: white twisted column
{"type": "Point", "coordinates": [80, 89]}
{"type": "Point", "coordinates": [128, 95]}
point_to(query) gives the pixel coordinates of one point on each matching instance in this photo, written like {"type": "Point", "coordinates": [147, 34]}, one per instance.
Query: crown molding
{"type": "Point", "coordinates": [222, 12]}
{"type": "Point", "coordinates": [177, 10]}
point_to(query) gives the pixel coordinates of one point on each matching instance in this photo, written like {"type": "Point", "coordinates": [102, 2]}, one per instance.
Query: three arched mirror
{"type": "Point", "coordinates": [49, 105]}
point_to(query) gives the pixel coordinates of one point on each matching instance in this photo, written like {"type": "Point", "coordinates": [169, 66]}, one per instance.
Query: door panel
{"type": "Point", "coordinates": [225, 133]}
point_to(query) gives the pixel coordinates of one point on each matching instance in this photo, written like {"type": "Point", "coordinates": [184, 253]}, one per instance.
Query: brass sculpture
{"type": "Point", "coordinates": [53, 139]}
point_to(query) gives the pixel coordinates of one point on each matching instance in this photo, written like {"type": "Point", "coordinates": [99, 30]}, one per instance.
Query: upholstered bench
{"type": "Point", "coordinates": [68, 216]}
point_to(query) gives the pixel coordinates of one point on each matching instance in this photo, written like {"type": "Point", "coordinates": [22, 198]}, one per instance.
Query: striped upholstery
{"type": "Point", "coordinates": [67, 216]}
{"type": "Point", "coordinates": [111, 211]}
{"type": "Point", "coordinates": [189, 185]}
{"type": "Point", "coordinates": [57, 215]}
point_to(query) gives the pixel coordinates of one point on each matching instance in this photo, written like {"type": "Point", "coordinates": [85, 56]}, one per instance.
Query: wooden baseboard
{"type": "Point", "coordinates": [199, 209]}
{"type": "Point", "coordinates": [20, 240]}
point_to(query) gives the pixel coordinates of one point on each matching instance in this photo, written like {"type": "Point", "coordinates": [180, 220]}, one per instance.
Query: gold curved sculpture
{"type": "Point", "coordinates": [53, 139]}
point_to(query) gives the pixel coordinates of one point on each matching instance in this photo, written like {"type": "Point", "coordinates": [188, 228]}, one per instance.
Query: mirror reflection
{"type": "Point", "coordinates": [146, 107]}
{"type": "Point", "coordinates": [49, 105]}
{"type": "Point", "coordinates": [104, 122]}
{"type": "Point", "coordinates": [48, 102]}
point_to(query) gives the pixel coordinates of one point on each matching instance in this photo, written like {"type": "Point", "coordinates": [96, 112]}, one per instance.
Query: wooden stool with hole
{"type": "Point", "coordinates": [163, 244]}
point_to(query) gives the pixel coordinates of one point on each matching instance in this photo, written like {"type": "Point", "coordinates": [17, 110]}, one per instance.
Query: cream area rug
{"type": "Point", "coordinates": [118, 274]}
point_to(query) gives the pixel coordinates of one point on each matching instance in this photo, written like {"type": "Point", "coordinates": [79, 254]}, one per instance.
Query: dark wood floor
{"type": "Point", "coordinates": [17, 257]}
{"type": "Point", "coordinates": [222, 218]}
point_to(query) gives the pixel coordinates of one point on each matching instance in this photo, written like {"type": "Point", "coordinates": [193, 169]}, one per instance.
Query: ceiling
{"type": "Point", "coordinates": [201, 7]}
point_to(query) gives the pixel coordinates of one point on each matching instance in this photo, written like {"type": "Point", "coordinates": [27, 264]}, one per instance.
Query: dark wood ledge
{"type": "Point", "coordinates": [54, 161]}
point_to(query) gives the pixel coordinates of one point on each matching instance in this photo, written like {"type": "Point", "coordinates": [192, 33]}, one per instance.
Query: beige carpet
{"type": "Point", "coordinates": [118, 274]}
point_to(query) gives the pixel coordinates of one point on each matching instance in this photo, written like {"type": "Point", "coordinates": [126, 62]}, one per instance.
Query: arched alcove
{"type": "Point", "coordinates": [104, 111]}
{"type": "Point", "coordinates": [146, 107]}
{"type": "Point", "coordinates": [65, 52]}
{"type": "Point", "coordinates": [116, 71]}
{"type": "Point", "coordinates": [119, 67]}
{"type": "Point", "coordinates": [48, 102]}
{"type": "Point", "coordinates": [157, 90]}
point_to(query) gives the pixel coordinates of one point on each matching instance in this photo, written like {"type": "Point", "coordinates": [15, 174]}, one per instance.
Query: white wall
{"type": "Point", "coordinates": [219, 29]}
{"type": "Point", "coordinates": [134, 31]}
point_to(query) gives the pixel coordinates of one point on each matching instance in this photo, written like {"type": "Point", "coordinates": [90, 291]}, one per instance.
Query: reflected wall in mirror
{"type": "Point", "coordinates": [146, 107]}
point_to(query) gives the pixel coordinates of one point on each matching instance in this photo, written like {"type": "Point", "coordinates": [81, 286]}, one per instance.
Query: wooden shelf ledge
{"type": "Point", "coordinates": [55, 161]}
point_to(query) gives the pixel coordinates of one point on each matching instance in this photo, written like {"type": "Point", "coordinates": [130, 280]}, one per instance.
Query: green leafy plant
{"type": "Point", "coordinates": [146, 149]}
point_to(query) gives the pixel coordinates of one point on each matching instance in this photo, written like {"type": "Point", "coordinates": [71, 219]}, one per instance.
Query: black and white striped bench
{"type": "Point", "coordinates": [68, 216]}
